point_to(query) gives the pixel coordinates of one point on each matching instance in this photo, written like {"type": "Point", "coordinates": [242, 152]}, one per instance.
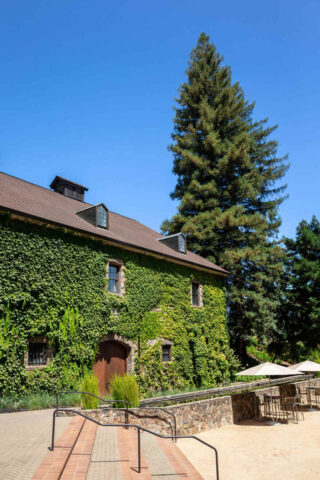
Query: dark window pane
{"type": "Point", "coordinates": [37, 354]}
{"type": "Point", "coordinates": [195, 294]}
{"type": "Point", "coordinates": [166, 353]}
{"type": "Point", "coordinates": [101, 217]}
{"type": "Point", "coordinates": [113, 284]}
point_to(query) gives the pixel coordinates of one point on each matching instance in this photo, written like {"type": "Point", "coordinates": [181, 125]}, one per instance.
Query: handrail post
{"type": "Point", "coordinates": [127, 416]}
{"type": "Point", "coordinates": [53, 431]}
{"type": "Point", "coordinates": [175, 428]}
{"type": "Point", "coordinates": [139, 450]}
{"type": "Point", "coordinates": [217, 463]}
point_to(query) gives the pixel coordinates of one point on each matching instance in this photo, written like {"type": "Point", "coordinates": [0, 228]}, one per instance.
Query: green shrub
{"type": "Point", "coordinates": [259, 353]}
{"type": "Point", "coordinates": [89, 383]}
{"type": "Point", "coordinates": [124, 388]}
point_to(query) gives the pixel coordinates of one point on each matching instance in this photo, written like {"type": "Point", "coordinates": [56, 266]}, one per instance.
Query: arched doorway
{"type": "Point", "coordinates": [110, 360]}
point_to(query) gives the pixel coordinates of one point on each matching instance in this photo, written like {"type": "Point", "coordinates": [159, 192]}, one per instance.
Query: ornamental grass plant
{"type": "Point", "coordinates": [89, 383]}
{"type": "Point", "coordinates": [37, 401]}
{"type": "Point", "coordinates": [124, 388]}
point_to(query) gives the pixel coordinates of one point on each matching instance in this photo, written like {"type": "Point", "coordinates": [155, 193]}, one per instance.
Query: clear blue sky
{"type": "Point", "coordinates": [87, 89]}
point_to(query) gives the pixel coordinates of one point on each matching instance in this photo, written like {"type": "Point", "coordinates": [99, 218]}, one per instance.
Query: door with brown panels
{"type": "Point", "coordinates": [110, 360]}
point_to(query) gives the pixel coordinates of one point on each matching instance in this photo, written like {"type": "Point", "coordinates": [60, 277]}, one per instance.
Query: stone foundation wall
{"type": "Point", "coordinates": [195, 417]}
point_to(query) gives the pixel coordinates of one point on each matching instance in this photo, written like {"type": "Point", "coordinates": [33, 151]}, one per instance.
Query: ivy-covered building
{"type": "Point", "coordinates": [84, 288]}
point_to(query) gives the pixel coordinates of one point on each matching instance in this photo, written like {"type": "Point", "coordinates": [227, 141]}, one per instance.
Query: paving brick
{"type": "Point", "coordinates": [128, 448]}
{"type": "Point", "coordinates": [78, 463]}
{"type": "Point", "coordinates": [105, 457]}
{"type": "Point", "coordinates": [55, 462]}
{"type": "Point", "coordinates": [157, 461]}
{"type": "Point", "coordinates": [24, 441]}
{"type": "Point", "coordinates": [178, 460]}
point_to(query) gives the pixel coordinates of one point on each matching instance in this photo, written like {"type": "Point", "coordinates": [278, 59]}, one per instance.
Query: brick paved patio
{"type": "Point", "coordinates": [24, 440]}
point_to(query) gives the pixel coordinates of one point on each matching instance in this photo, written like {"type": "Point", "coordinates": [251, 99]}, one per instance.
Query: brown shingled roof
{"type": "Point", "coordinates": [27, 199]}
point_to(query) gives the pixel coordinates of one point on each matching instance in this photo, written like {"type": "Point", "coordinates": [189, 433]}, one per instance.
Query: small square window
{"type": "Point", "coordinates": [37, 354]}
{"type": "Point", "coordinates": [166, 353]}
{"type": "Point", "coordinates": [113, 282]}
{"type": "Point", "coordinates": [195, 294]}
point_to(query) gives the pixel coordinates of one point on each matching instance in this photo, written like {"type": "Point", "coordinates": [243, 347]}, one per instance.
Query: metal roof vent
{"type": "Point", "coordinates": [68, 188]}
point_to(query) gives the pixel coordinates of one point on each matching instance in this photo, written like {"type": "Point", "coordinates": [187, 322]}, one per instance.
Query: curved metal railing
{"type": "Point", "coordinates": [130, 425]}
{"type": "Point", "coordinates": [126, 409]}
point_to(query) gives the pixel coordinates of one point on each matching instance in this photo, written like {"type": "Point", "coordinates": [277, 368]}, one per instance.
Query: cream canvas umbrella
{"type": "Point", "coordinates": [307, 367]}
{"type": "Point", "coordinates": [270, 370]}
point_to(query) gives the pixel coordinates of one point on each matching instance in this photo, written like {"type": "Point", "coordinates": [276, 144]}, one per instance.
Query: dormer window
{"type": "Point", "coordinates": [182, 244]}
{"type": "Point", "coordinates": [177, 242]}
{"type": "Point", "coordinates": [96, 215]}
{"type": "Point", "coordinates": [102, 217]}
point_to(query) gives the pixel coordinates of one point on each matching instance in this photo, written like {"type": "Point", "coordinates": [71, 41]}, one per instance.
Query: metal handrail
{"type": "Point", "coordinates": [130, 425]}
{"type": "Point", "coordinates": [126, 409]}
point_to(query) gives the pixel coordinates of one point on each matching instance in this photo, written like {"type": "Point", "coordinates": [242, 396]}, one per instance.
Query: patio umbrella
{"type": "Point", "coordinates": [307, 367]}
{"type": "Point", "coordinates": [270, 370]}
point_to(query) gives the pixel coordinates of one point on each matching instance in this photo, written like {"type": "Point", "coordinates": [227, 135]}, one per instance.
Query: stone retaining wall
{"type": "Point", "coordinates": [195, 417]}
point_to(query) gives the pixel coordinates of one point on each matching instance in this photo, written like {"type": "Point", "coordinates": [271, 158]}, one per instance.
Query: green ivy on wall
{"type": "Point", "coordinates": [53, 284]}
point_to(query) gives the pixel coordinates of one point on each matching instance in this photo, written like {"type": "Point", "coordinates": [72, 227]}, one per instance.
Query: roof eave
{"type": "Point", "coordinates": [186, 262]}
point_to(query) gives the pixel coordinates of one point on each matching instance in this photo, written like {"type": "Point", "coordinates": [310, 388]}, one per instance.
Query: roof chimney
{"type": "Point", "coordinates": [68, 188]}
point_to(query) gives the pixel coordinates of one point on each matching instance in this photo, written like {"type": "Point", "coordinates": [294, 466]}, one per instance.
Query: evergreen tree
{"type": "Point", "coordinates": [301, 316]}
{"type": "Point", "coordinates": [227, 168]}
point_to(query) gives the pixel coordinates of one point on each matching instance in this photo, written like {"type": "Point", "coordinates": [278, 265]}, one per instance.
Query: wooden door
{"type": "Point", "coordinates": [111, 360]}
